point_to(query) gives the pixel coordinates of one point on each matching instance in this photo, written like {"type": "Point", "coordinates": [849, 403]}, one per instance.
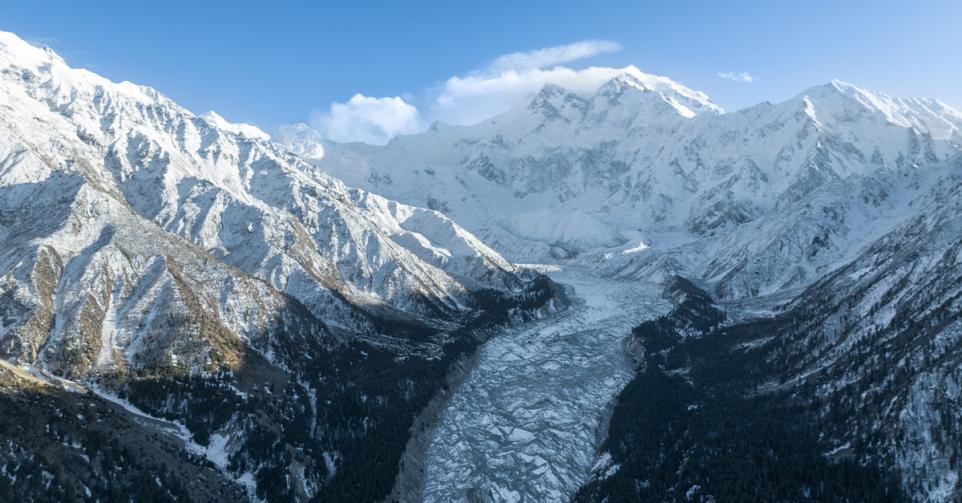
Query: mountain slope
{"type": "Point", "coordinates": [863, 367]}
{"type": "Point", "coordinates": [693, 425]}
{"type": "Point", "coordinates": [128, 152]}
{"type": "Point", "coordinates": [62, 445]}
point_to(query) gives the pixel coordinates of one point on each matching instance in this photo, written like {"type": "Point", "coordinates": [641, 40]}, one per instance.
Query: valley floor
{"type": "Point", "coordinates": [526, 424]}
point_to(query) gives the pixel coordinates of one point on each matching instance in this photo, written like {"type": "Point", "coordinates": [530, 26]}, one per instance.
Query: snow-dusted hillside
{"type": "Point", "coordinates": [861, 371]}
{"type": "Point", "coordinates": [878, 341]}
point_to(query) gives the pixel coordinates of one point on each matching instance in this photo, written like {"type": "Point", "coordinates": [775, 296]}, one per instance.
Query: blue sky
{"type": "Point", "coordinates": [283, 62]}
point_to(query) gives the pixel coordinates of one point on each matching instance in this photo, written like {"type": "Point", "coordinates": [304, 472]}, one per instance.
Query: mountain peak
{"type": "Point", "coordinates": [248, 130]}
{"type": "Point", "coordinates": [836, 87]}
{"type": "Point", "coordinates": [556, 102]}
{"type": "Point", "coordinates": [687, 102]}
{"type": "Point", "coordinates": [621, 83]}
{"type": "Point", "coordinates": [301, 139]}
{"type": "Point", "coordinates": [551, 90]}
{"type": "Point", "coordinates": [22, 53]}
{"type": "Point", "coordinates": [57, 80]}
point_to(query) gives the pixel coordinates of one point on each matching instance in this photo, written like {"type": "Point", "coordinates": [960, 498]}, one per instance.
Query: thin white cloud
{"type": "Point", "coordinates": [473, 98]}
{"type": "Point", "coordinates": [509, 79]}
{"type": "Point", "coordinates": [301, 139]}
{"type": "Point", "coordinates": [737, 76]}
{"type": "Point", "coordinates": [367, 119]}
{"type": "Point", "coordinates": [550, 56]}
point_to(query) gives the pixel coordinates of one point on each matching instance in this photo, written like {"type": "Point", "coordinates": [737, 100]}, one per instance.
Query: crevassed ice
{"type": "Point", "coordinates": [525, 425]}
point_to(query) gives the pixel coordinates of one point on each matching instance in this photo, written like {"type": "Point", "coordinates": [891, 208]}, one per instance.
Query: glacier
{"type": "Point", "coordinates": [527, 422]}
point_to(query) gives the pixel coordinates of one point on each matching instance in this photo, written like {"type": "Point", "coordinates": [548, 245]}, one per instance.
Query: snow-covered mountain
{"type": "Point", "coordinates": [878, 341]}
{"type": "Point", "coordinates": [141, 245]}
{"type": "Point", "coordinates": [109, 162]}
{"type": "Point", "coordinates": [647, 161]}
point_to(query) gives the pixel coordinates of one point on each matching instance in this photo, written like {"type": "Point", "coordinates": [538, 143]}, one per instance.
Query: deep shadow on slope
{"type": "Point", "coordinates": [694, 425]}
{"type": "Point", "coordinates": [60, 445]}
{"type": "Point", "coordinates": [328, 420]}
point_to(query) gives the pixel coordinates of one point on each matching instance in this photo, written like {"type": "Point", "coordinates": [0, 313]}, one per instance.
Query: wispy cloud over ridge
{"type": "Point", "coordinates": [550, 56]}
{"type": "Point", "coordinates": [737, 76]}
{"type": "Point", "coordinates": [475, 97]}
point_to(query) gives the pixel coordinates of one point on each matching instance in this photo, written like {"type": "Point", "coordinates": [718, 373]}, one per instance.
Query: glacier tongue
{"type": "Point", "coordinates": [526, 424]}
